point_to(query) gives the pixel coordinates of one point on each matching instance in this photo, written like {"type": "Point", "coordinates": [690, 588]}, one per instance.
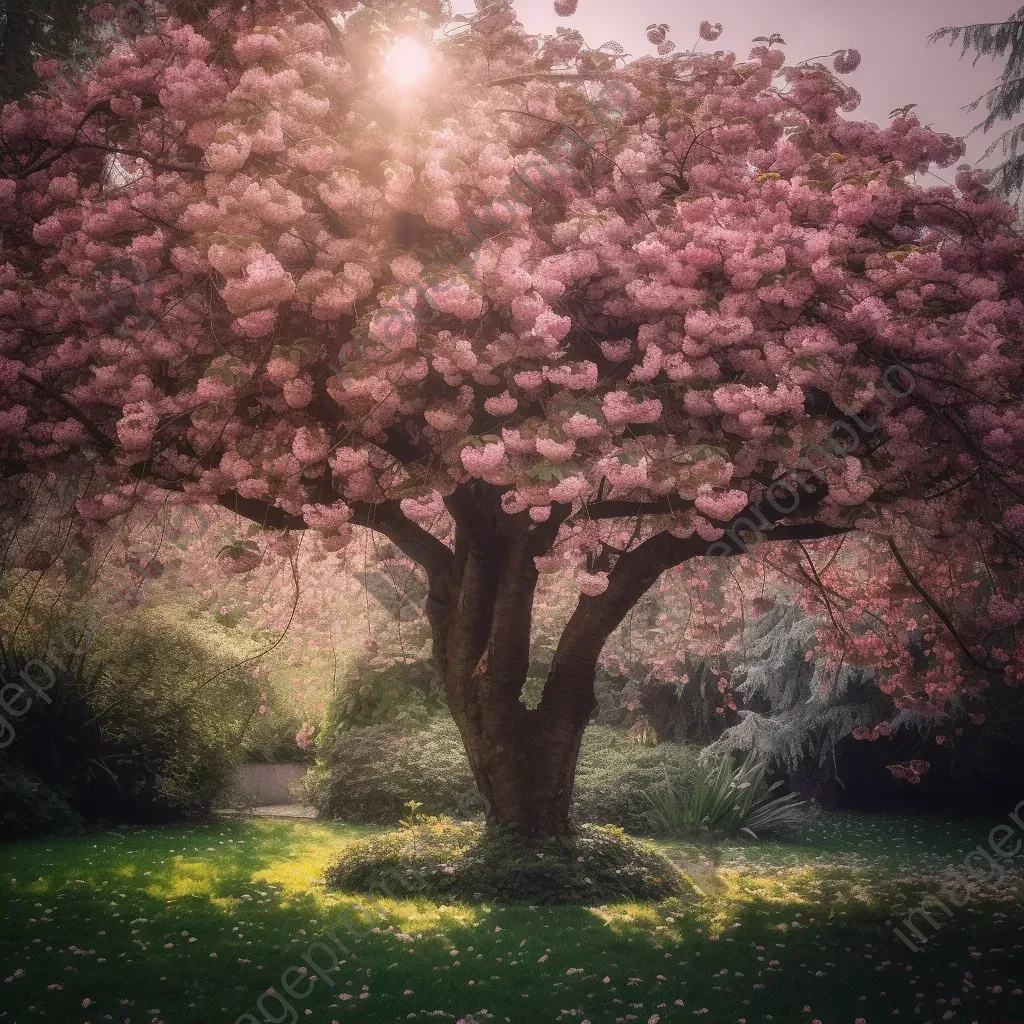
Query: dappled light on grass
{"type": "Point", "coordinates": [734, 889]}
{"type": "Point", "coordinates": [188, 878]}
{"type": "Point", "coordinates": [194, 924]}
{"type": "Point", "coordinates": [297, 876]}
{"type": "Point", "coordinates": [638, 917]}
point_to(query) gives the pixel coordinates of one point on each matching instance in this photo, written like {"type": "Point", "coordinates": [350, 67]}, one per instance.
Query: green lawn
{"type": "Point", "coordinates": [194, 925]}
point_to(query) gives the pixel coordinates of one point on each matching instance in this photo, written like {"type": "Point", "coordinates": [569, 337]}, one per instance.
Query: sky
{"type": "Point", "coordinates": [899, 65]}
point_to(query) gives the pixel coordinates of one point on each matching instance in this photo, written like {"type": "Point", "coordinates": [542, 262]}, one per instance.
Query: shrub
{"type": "Point", "coordinates": [727, 799]}
{"type": "Point", "coordinates": [613, 773]}
{"type": "Point", "coordinates": [271, 740]}
{"type": "Point", "coordinates": [30, 808]}
{"type": "Point", "coordinates": [465, 860]}
{"type": "Point", "coordinates": [138, 737]}
{"type": "Point", "coordinates": [403, 691]}
{"type": "Point", "coordinates": [367, 775]}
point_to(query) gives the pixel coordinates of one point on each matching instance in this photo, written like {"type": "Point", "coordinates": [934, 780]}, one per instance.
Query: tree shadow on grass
{"type": "Point", "coordinates": [114, 915]}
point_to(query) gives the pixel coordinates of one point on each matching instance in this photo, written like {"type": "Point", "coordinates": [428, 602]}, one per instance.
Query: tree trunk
{"type": "Point", "coordinates": [480, 606]}
{"type": "Point", "coordinates": [523, 760]}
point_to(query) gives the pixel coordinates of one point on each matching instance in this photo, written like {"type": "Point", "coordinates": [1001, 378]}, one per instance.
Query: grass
{"type": "Point", "coordinates": [194, 925]}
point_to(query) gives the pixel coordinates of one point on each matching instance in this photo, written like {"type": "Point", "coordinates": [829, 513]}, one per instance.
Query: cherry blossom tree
{"type": "Point", "coordinates": [523, 307]}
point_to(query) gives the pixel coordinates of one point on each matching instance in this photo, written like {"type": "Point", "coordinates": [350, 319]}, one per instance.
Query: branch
{"type": "Point", "coordinates": [13, 467]}
{"type": "Point", "coordinates": [105, 443]}
{"type": "Point", "coordinates": [54, 157]}
{"type": "Point", "coordinates": [470, 517]}
{"type": "Point", "coordinates": [400, 446]}
{"type": "Point", "coordinates": [550, 77]}
{"type": "Point", "coordinates": [595, 618]}
{"type": "Point", "coordinates": [591, 147]}
{"type": "Point", "coordinates": [930, 601]}
{"type": "Point", "coordinates": [627, 509]}
{"type": "Point", "coordinates": [335, 32]}
{"type": "Point", "coordinates": [385, 518]}
{"type": "Point", "coordinates": [140, 155]}
{"type": "Point", "coordinates": [412, 539]}
{"type": "Point", "coordinates": [270, 517]}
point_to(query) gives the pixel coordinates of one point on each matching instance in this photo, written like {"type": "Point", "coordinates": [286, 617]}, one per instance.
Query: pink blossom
{"type": "Point", "coordinates": [310, 445]}
{"type": "Point", "coordinates": [555, 451]}
{"type": "Point", "coordinates": [483, 460]}
{"type": "Point", "coordinates": [502, 405]}
{"type": "Point", "coordinates": [846, 61]}
{"type": "Point", "coordinates": [1002, 612]}
{"type": "Point", "coordinates": [569, 489]}
{"type": "Point", "coordinates": [657, 34]}
{"type": "Point", "coordinates": [529, 379]}
{"type": "Point", "coordinates": [265, 283]}
{"type": "Point", "coordinates": [722, 506]}
{"type": "Point", "coordinates": [255, 325]}
{"type": "Point", "coordinates": [579, 426]}
{"type": "Point", "coordinates": [298, 393]}
{"type": "Point", "coordinates": [327, 517]}
{"type": "Point", "coordinates": [593, 584]}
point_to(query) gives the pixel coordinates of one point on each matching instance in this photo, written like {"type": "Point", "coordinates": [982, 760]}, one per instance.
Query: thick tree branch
{"type": "Point", "coordinates": [623, 509]}
{"type": "Point", "coordinates": [414, 542]}
{"type": "Point", "coordinates": [385, 518]}
{"type": "Point", "coordinates": [105, 443]}
{"type": "Point", "coordinates": [268, 516]}
{"type": "Point", "coordinates": [472, 517]}
{"type": "Point", "coordinates": [595, 618]}
{"type": "Point", "coordinates": [509, 647]}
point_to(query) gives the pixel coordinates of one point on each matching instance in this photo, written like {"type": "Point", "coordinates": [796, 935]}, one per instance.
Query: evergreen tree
{"type": "Point", "coordinates": [795, 710]}
{"type": "Point", "coordinates": [1005, 99]}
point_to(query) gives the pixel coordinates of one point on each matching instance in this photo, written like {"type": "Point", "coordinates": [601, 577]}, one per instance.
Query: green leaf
{"type": "Point", "coordinates": [702, 452]}
{"type": "Point", "coordinates": [547, 471]}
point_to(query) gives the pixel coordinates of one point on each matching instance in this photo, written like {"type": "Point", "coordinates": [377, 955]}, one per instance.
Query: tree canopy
{"type": "Point", "coordinates": [525, 307]}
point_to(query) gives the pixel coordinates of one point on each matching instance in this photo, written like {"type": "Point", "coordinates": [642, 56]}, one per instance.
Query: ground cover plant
{"type": "Point", "coordinates": [194, 925]}
{"type": "Point", "coordinates": [467, 860]}
{"type": "Point", "coordinates": [726, 797]}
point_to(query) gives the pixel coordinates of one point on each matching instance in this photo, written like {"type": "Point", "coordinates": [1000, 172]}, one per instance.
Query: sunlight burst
{"type": "Point", "coordinates": [408, 62]}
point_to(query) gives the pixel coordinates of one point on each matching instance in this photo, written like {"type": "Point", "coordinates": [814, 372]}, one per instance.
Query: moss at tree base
{"type": "Point", "coordinates": [466, 860]}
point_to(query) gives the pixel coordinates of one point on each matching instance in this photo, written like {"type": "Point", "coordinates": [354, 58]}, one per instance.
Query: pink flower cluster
{"type": "Point", "coordinates": [911, 771]}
